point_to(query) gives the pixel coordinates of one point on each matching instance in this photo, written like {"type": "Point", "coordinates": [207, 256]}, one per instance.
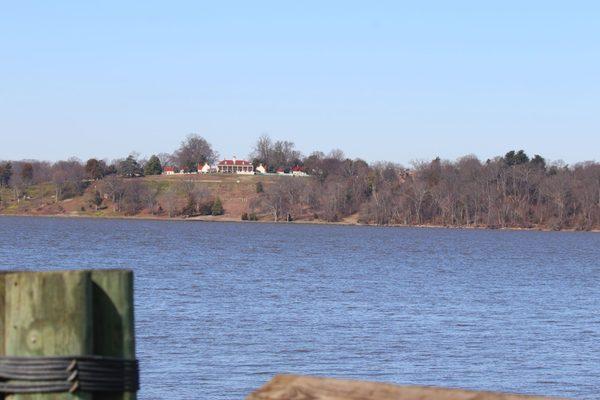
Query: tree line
{"type": "Point", "coordinates": [514, 190]}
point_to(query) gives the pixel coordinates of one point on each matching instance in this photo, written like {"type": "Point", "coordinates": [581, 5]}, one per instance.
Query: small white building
{"type": "Point", "coordinates": [298, 171]}
{"type": "Point", "coordinates": [261, 169]}
{"type": "Point", "coordinates": [168, 170]}
{"type": "Point", "coordinates": [205, 168]}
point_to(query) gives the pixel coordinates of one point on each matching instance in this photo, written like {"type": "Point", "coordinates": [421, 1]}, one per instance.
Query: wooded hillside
{"type": "Point", "coordinates": [510, 191]}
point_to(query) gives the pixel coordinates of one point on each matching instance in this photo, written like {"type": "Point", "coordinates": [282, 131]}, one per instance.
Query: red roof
{"type": "Point", "coordinates": [280, 170]}
{"type": "Point", "coordinates": [234, 162]}
{"type": "Point", "coordinates": [169, 169]}
{"type": "Point", "coordinates": [297, 169]}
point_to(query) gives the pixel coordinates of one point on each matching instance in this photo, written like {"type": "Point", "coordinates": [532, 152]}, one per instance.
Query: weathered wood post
{"type": "Point", "coordinates": [112, 293]}
{"type": "Point", "coordinates": [48, 314]}
{"type": "Point", "coordinates": [70, 314]}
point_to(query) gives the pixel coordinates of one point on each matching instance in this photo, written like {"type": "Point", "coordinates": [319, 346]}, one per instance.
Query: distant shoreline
{"type": "Point", "coordinates": [257, 198]}
{"type": "Point", "coordinates": [222, 219]}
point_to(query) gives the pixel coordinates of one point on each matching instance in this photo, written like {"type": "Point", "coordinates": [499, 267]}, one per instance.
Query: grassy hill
{"type": "Point", "coordinates": [235, 191]}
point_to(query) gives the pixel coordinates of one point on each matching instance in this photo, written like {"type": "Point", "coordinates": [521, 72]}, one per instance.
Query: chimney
{"type": "Point", "coordinates": [234, 159]}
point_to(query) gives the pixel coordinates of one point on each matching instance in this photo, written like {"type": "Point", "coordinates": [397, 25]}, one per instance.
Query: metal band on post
{"type": "Point", "coordinates": [68, 374]}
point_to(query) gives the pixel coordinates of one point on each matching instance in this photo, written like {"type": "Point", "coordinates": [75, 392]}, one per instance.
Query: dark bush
{"type": "Point", "coordinates": [217, 207]}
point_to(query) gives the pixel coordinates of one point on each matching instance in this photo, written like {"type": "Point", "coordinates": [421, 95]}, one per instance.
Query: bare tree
{"type": "Point", "coordinates": [114, 188]}
{"type": "Point", "coordinates": [194, 150]}
{"type": "Point", "coordinates": [196, 196]}
{"type": "Point", "coordinates": [166, 159]}
{"type": "Point", "coordinates": [278, 154]}
{"type": "Point", "coordinates": [262, 150]}
{"type": "Point", "coordinates": [336, 154]}
{"type": "Point", "coordinates": [284, 199]}
{"type": "Point", "coordinates": [275, 201]}
{"type": "Point", "coordinates": [67, 177]}
{"type": "Point", "coordinates": [133, 197]}
{"type": "Point", "coordinates": [382, 208]}
{"type": "Point", "coordinates": [170, 201]}
{"type": "Point", "coordinates": [150, 198]}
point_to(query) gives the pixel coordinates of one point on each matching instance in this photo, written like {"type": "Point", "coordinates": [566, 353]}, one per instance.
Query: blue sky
{"type": "Point", "coordinates": [381, 80]}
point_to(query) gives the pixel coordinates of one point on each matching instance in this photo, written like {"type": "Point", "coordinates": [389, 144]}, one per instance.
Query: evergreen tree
{"type": "Point", "coordinates": [95, 169]}
{"type": "Point", "coordinates": [153, 166]}
{"type": "Point", "coordinates": [130, 167]}
{"type": "Point", "coordinates": [259, 187]}
{"type": "Point", "coordinates": [217, 207]}
{"type": "Point", "coordinates": [516, 158]}
{"type": "Point", "coordinates": [539, 161]}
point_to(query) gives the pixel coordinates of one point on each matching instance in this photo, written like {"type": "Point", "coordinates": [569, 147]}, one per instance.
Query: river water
{"type": "Point", "coordinates": [222, 307]}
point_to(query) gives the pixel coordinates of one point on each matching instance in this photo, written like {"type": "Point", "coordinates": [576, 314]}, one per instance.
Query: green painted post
{"type": "Point", "coordinates": [48, 314]}
{"type": "Point", "coordinates": [112, 293]}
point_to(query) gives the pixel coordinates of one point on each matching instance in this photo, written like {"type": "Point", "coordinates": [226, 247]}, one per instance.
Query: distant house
{"type": "Point", "coordinates": [298, 171]}
{"type": "Point", "coordinates": [168, 170]}
{"type": "Point", "coordinates": [280, 171]}
{"type": "Point", "coordinates": [204, 168]}
{"type": "Point", "coordinates": [235, 166]}
{"type": "Point", "coordinates": [261, 169]}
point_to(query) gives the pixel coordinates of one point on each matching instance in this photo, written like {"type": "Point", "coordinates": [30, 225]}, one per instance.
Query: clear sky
{"type": "Point", "coordinates": [381, 80]}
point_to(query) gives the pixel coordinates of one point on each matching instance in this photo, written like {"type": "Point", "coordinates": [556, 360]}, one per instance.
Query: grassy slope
{"type": "Point", "coordinates": [235, 191]}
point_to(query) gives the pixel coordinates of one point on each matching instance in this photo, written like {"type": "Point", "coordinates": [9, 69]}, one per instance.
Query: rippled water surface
{"type": "Point", "coordinates": [222, 307]}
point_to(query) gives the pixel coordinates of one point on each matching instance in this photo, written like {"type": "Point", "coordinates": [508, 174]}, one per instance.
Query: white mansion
{"type": "Point", "coordinates": [235, 166]}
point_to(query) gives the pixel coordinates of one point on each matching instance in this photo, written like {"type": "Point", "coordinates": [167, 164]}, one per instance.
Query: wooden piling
{"type": "Point", "coordinates": [67, 313]}
{"type": "Point", "coordinates": [112, 293]}
{"type": "Point", "coordinates": [48, 314]}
